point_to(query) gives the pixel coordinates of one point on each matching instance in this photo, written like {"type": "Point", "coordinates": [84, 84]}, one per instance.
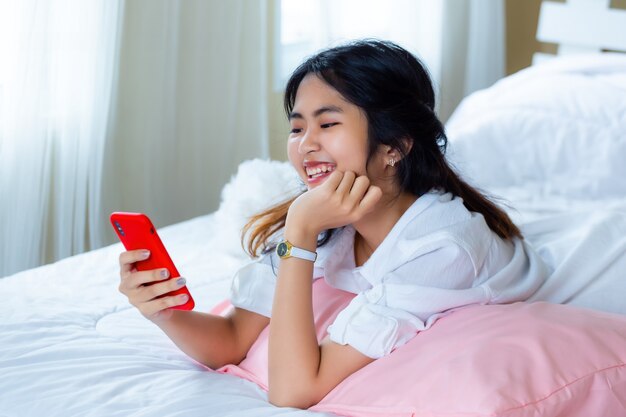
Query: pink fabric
{"type": "Point", "coordinates": [327, 303]}
{"type": "Point", "coordinates": [516, 360]}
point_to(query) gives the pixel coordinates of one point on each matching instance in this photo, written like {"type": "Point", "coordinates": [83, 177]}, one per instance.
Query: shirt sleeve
{"type": "Point", "coordinates": [408, 300]}
{"type": "Point", "coordinates": [254, 284]}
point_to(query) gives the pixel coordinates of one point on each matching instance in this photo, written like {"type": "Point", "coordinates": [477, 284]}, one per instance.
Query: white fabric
{"type": "Point", "coordinates": [191, 105]}
{"type": "Point", "coordinates": [240, 197]}
{"type": "Point", "coordinates": [56, 87]}
{"type": "Point", "coordinates": [461, 43]}
{"type": "Point", "coordinates": [417, 26]}
{"type": "Point", "coordinates": [472, 53]}
{"type": "Point", "coordinates": [557, 128]}
{"type": "Point", "coordinates": [72, 346]}
{"type": "Point", "coordinates": [253, 285]}
{"type": "Point", "coordinates": [437, 257]}
{"type": "Point", "coordinates": [68, 336]}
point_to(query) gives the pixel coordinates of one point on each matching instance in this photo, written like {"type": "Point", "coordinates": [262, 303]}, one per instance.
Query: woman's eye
{"type": "Point", "coordinates": [296, 130]}
{"type": "Point", "coordinates": [327, 125]}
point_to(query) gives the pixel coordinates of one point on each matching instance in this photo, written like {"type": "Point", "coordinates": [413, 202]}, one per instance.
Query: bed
{"type": "Point", "coordinates": [549, 142]}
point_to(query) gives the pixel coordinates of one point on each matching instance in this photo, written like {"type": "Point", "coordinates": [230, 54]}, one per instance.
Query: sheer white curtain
{"type": "Point", "coordinates": [58, 62]}
{"type": "Point", "coordinates": [461, 42]}
{"type": "Point", "coordinates": [309, 25]}
{"type": "Point", "coordinates": [473, 49]}
{"type": "Point", "coordinates": [145, 105]}
{"type": "Point", "coordinates": [192, 104]}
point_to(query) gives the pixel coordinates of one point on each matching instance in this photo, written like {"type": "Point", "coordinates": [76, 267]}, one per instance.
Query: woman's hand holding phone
{"type": "Point", "coordinates": [146, 289]}
{"type": "Point", "coordinates": [149, 278]}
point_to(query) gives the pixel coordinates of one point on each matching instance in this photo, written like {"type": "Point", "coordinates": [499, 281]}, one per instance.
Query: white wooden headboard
{"type": "Point", "coordinates": [581, 26]}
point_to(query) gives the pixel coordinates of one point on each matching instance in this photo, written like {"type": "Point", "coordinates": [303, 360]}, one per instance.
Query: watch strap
{"type": "Point", "coordinates": [303, 254]}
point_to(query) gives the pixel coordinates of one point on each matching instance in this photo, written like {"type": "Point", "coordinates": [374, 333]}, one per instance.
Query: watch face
{"type": "Point", "coordinates": [281, 250]}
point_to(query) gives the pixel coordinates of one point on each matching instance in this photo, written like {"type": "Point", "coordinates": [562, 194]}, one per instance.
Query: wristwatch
{"type": "Point", "coordinates": [286, 250]}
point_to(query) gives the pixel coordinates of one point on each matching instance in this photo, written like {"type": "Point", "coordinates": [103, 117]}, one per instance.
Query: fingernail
{"type": "Point", "coordinates": [145, 254]}
{"type": "Point", "coordinates": [181, 281]}
{"type": "Point", "coordinates": [184, 298]}
{"type": "Point", "coordinates": [165, 273]}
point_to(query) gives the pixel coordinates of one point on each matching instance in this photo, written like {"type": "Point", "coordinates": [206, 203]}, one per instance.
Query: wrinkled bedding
{"type": "Point", "coordinates": [70, 345]}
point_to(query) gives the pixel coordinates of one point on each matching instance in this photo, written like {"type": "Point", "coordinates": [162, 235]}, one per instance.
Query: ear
{"type": "Point", "coordinates": [396, 154]}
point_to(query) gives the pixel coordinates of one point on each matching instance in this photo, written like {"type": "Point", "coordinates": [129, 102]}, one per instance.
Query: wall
{"type": "Point", "coordinates": [278, 126]}
{"type": "Point", "coordinates": [521, 26]}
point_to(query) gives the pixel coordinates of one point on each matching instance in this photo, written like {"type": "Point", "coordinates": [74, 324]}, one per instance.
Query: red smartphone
{"type": "Point", "coordinates": [136, 231]}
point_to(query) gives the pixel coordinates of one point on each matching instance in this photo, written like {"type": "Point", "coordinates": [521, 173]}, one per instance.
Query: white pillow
{"type": "Point", "coordinates": [559, 127]}
{"type": "Point", "coordinates": [257, 185]}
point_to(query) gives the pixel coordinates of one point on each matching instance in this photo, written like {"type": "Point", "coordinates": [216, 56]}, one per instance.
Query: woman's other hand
{"type": "Point", "coordinates": [342, 199]}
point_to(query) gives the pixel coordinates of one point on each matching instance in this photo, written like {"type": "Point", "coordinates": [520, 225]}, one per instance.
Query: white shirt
{"type": "Point", "coordinates": [437, 257]}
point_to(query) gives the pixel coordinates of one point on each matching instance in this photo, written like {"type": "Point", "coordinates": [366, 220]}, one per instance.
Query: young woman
{"type": "Point", "coordinates": [384, 217]}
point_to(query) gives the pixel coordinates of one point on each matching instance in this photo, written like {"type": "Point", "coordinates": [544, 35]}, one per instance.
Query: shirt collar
{"type": "Point", "coordinates": [383, 259]}
{"type": "Point", "coordinates": [338, 253]}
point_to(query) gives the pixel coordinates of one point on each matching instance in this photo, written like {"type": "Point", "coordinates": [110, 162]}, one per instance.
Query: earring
{"type": "Point", "coordinates": [392, 162]}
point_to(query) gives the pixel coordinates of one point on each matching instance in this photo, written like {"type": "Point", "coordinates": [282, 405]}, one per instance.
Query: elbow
{"type": "Point", "coordinates": [292, 399]}
{"type": "Point", "coordinates": [219, 362]}
{"type": "Point", "coordinates": [302, 404]}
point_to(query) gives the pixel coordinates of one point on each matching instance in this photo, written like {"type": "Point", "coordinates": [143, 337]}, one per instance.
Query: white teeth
{"type": "Point", "coordinates": [319, 169]}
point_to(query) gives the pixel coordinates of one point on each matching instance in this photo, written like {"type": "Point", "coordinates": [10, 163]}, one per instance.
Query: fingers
{"type": "Point", "coordinates": [153, 308]}
{"type": "Point", "coordinates": [346, 195]}
{"type": "Point", "coordinates": [127, 259]}
{"type": "Point", "coordinates": [353, 189]}
{"type": "Point", "coordinates": [150, 300]}
{"type": "Point", "coordinates": [139, 278]}
{"type": "Point", "coordinates": [333, 180]}
{"type": "Point", "coordinates": [343, 188]}
{"type": "Point", "coordinates": [371, 197]}
{"type": "Point", "coordinates": [131, 280]}
{"type": "Point", "coordinates": [359, 188]}
{"type": "Point", "coordinates": [144, 293]}
{"type": "Point", "coordinates": [363, 196]}
{"type": "Point", "coordinates": [127, 269]}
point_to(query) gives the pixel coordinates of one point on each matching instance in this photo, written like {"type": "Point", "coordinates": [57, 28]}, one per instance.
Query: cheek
{"type": "Point", "coordinates": [294, 156]}
{"type": "Point", "coordinates": [350, 154]}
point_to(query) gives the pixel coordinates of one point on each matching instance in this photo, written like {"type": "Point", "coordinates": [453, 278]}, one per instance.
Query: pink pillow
{"type": "Point", "coordinates": [522, 359]}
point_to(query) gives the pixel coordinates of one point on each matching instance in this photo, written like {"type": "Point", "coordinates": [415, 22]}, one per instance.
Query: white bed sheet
{"type": "Point", "coordinates": [582, 241]}
{"type": "Point", "coordinates": [551, 139]}
{"type": "Point", "coordinates": [70, 345]}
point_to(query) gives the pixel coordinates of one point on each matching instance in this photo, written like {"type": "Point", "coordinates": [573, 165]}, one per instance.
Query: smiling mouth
{"type": "Point", "coordinates": [319, 170]}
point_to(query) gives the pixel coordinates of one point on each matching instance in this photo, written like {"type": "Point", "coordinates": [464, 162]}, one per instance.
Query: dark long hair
{"type": "Point", "coordinates": [396, 93]}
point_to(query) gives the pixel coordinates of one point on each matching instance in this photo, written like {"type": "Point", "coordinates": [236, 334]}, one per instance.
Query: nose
{"type": "Point", "coordinates": [309, 142]}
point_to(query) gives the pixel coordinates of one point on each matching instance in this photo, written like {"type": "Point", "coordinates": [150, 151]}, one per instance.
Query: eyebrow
{"type": "Point", "coordinates": [318, 112]}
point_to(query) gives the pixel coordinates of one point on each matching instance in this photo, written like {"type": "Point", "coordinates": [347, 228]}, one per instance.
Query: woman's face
{"type": "Point", "coordinates": [327, 133]}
